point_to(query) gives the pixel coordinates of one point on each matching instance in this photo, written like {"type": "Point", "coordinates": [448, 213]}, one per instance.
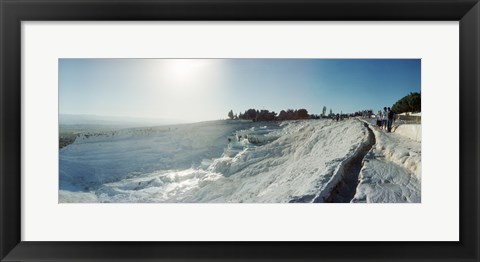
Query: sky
{"type": "Point", "coordinates": [207, 89]}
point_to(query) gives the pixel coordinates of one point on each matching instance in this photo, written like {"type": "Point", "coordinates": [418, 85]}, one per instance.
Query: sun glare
{"type": "Point", "coordinates": [184, 75]}
{"type": "Point", "coordinates": [182, 68]}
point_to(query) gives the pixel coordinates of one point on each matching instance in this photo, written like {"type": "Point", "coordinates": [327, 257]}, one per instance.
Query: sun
{"type": "Point", "coordinates": [180, 77]}
{"type": "Point", "coordinates": [185, 67]}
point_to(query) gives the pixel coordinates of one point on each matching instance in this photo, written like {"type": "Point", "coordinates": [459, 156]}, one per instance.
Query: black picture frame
{"type": "Point", "coordinates": [13, 12]}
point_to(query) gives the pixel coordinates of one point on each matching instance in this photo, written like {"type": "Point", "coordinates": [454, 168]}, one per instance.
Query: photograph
{"type": "Point", "coordinates": [239, 130]}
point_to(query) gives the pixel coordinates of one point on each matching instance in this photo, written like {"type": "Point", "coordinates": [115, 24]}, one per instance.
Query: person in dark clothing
{"type": "Point", "coordinates": [390, 120]}
{"type": "Point", "coordinates": [385, 118]}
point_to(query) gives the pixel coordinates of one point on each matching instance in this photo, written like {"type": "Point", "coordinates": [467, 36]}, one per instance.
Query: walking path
{"type": "Point", "coordinates": [391, 171]}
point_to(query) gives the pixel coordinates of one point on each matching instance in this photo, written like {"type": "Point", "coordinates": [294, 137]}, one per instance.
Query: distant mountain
{"type": "Point", "coordinates": [71, 119]}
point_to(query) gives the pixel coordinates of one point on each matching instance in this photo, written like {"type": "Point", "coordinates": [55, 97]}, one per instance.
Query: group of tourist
{"type": "Point", "coordinates": [385, 119]}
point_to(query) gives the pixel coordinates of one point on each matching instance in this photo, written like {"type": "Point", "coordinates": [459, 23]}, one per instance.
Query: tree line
{"type": "Point", "coordinates": [409, 103]}
{"type": "Point", "coordinates": [292, 114]}
{"type": "Point", "coordinates": [267, 115]}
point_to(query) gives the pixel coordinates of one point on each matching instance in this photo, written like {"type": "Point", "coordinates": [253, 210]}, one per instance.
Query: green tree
{"type": "Point", "coordinates": [251, 114]}
{"type": "Point", "coordinates": [302, 114]}
{"type": "Point", "coordinates": [409, 103]}
{"type": "Point", "coordinates": [230, 114]}
{"type": "Point", "coordinates": [324, 111]}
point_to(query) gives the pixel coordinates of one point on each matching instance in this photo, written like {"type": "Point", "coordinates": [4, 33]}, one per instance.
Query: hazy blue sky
{"type": "Point", "coordinates": [206, 89]}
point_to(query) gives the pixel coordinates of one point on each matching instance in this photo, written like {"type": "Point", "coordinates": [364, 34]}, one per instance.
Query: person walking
{"type": "Point", "coordinates": [390, 120]}
{"type": "Point", "coordinates": [385, 118]}
{"type": "Point", "coordinates": [379, 119]}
